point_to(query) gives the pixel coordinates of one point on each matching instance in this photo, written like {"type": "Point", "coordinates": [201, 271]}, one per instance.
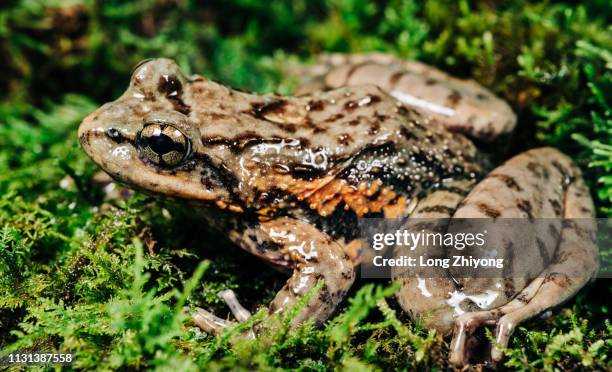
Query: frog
{"type": "Point", "coordinates": [288, 178]}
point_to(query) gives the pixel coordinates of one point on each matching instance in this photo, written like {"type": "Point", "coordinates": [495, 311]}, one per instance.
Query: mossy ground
{"type": "Point", "coordinates": [108, 280]}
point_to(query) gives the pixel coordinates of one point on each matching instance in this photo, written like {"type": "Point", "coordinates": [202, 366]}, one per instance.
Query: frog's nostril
{"type": "Point", "coordinates": [115, 135]}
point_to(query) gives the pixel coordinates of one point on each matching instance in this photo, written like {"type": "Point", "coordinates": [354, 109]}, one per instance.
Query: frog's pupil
{"type": "Point", "coordinates": [162, 144]}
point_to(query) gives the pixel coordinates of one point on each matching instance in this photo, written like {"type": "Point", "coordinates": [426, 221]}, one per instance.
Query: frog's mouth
{"type": "Point", "coordinates": [114, 149]}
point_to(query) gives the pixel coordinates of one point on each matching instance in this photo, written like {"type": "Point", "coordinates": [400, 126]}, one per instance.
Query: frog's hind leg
{"type": "Point", "coordinates": [460, 105]}
{"type": "Point", "coordinates": [575, 265]}
{"type": "Point", "coordinates": [533, 177]}
{"type": "Point", "coordinates": [424, 295]}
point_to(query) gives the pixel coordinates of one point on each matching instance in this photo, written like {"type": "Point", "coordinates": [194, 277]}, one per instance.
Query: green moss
{"type": "Point", "coordinates": [109, 281]}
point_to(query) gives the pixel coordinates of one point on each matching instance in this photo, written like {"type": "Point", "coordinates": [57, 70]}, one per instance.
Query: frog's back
{"type": "Point", "coordinates": [330, 157]}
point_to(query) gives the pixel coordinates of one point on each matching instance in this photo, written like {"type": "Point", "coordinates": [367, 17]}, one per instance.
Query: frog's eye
{"type": "Point", "coordinates": [163, 144]}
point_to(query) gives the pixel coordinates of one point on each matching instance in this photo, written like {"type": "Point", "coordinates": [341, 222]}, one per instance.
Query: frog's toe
{"type": "Point", "coordinates": [209, 322]}
{"type": "Point", "coordinates": [505, 327]}
{"type": "Point", "coordinates": [464, 343]}
{"type": "Point", "coordinates": [240, 313]}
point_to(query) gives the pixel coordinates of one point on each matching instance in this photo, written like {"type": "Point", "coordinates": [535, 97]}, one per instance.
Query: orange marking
{"type": "Point", "coordinates": [325, 199]}
{"type": "Point", "coordinates": [325, 194]}
{"type": "Point", "coordinates": [353, 249]}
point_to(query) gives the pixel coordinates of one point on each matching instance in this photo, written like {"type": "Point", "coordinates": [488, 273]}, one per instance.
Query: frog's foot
{"type": "Point", "coordinates": [211, 323]}
{"type": "Point", "coordinates": [466, 325]}
{"type": "Point", "coordinates": [575, 260]}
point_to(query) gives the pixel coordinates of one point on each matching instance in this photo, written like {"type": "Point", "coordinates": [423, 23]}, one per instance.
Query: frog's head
{"type": "Point", "coordinates": [147, 139]}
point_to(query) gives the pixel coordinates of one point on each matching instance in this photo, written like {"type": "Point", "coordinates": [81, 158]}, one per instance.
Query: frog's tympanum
{"type": "Point", "coordinates": [287, 178]}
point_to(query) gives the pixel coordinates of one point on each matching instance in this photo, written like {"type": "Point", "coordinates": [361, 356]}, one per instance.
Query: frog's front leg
{"type": "Point", "coordinates": [313, 255]}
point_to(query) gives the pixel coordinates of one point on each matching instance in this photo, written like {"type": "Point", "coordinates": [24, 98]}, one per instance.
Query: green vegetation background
{"type": "Point", "coordinates": [108, 280]}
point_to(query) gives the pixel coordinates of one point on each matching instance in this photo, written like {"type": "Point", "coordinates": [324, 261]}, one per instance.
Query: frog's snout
{"type": "Point", "coordinates": [86, 132]}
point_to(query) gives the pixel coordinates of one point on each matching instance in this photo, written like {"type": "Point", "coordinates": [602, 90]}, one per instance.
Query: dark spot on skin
{"type": "Point", "coordinates": [543, 251]}
{"type": "Point", "coordinates": [317, 105]}
{"type": "Point", "coordinates": [556, 206]}
{"type": "Point", "coordinates": [395, 77]}
{"type": "Point", "coordinates": [325, 297]}
{"type": "Point", "coordinates": [488, 210]}
{"type": "Point", "coordinates": [569, 224]}
{"type": "Point", "coordinates": [402, 110]}
{"type": "Point", "coordinates": [351, 105]}
{"type": "Point", "coordinates": [241, 141]}
{"type": "Point", "coordinates": [535, 169]}
{"type": "Point", "coordinates": [454, 98]}
{"type": "Point", "coordinates": [431, 81]}
{"type": "Point", "coordinates": [374, 99]}
{"type": "Point", "coordinates": [522, 298]}
{"type": "Point", "coordinates": [567, 177]}
{"type": "Point", "coordinates": [526, 207]}
{"type": "Point", "coordinates": [431, 138]}
{"type": "Point", "coordinates": [216, 115]}
{"type": "Point", "coordinates": [304, 141]}
{"type": "Point", "coordinates": [380, 117]}
{"type": "Point", "coordinates": [553, 231]}
{"type": "Point", "coordinates": [481, 96]}
{"type": "Point", "coordinates": [563, 257]}
{"type": "Point", "coordinates": [409, 135]}
{"type": "Point", "coordinates": [374, 128]}
{"type": "Point", "coordinates": [354, 122]}
{"type": "Point", "coordinates": [347, 275]}
{"type": "Point", "coordinates": [408, 112]}
{"type": "Point", "coordinates": [333, 118]}
{"type": "Point", "coordinates": [508, 180]}
{"type": "Point", "coordinates": [305, 172]}
{"type": "Point", "coordinates": [469, 305]}
{"type": "Point", "coordinates": [450, 153]}
{"type": "Point", "coordinates": [172, 88]}
{"type": "Point", "coordinates": [85, 138]}
{"type": "Point", "coordinates": [344, 139]}
{"type": "Point", "coordinates": [260, 110]}
{"type": "Point", "coordinates": [288, 127]}
{"type": "Point", "coordinates": [560, 279]}
{"type": "Point", "coordinates": [509, 288]}
{"type": "Point", "coordinates": [437, 209]}
{"type": "Point", "coordinates": [454, 190]}
{"type": "Point", "coordinates": [418, 125]}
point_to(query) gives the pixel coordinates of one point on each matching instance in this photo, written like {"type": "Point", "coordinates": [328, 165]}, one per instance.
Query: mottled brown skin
{"type": "Point", "coordinates": [286, 178]}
